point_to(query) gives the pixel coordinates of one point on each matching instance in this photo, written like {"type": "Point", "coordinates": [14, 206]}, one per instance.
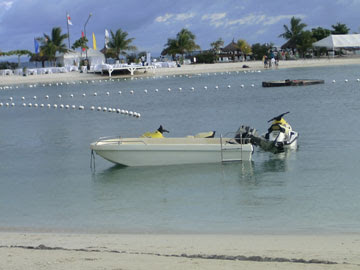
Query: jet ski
{"type": "Point", "coordinates": [156, 134]}
{"type": "Point", "coordinates": [280, 136]}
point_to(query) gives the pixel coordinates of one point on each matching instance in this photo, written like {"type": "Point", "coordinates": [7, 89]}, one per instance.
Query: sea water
{"type": "Point", "coordinates": [46, 183]}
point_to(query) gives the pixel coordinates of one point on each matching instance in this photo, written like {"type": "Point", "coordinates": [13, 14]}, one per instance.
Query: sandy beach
{"type": "Point", "coordinates": [184, 69]}
{"type": "Point", "coordinates": [143, 251]}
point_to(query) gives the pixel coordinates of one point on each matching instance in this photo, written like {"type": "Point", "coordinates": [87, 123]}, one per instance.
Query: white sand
{"type": "Point", "coordinates": [184, 69]}
{"type": "Point", "coordinates": [143, 251]}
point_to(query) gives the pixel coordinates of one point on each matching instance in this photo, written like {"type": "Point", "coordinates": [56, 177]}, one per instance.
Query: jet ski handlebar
{"type": "Point", "coordinates": [278, 118]}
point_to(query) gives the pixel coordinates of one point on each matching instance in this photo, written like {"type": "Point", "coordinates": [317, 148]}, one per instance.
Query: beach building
{"type": "Point", "coordinates": [231, 53]}
{"type": "Point", "coordinates": [73, 58]}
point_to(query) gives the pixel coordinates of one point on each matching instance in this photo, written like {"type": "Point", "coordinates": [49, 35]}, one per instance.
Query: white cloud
{"type": "Point", "coordinates": [164, 18]}
{"type": "Point", "coordinates": [174, 17]}
{"type": "Point", "coordinates": [348, 2]}
{"type": "Point", "coordinates": [184, 16]}
{"type": "Point", "coordinates": [255, 19]}
{"type": "Point", "coordinates": [216, 19]}
{"type": "Point", "coordinates": [6, 5]}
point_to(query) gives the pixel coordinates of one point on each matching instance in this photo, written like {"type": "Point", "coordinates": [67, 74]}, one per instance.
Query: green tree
{"type": "Point", "coordinates": [320, 33]}
{"type": "Point", "coordinates": [19, 53]}
{"type": "Point", "coordinates": [259, 50]}
{"type": "Point", "coordinates": [340, 29]}
{"type": "Point", "coordinates": [244, 47]}
{"type": "Point", "coordinates": [293, 33]}
{"type": "Point", "coordinates": [216, 45]}
{"type": "Point", "coordinates": [52, 44]}
{"type": "Point", "coordinates": [80, 43]}
{"type": "Point", "coordinates": [183, 43]}
{"type": "Point", "coordinates": [119, 44]}
{"type": "Point", "coordinates": [305, 42]}
{"type": "Point", "coordinates": [171, 48]}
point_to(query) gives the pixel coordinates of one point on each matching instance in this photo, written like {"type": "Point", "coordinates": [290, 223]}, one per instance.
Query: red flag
{"type": "Point", "coordinates": [82, 35]}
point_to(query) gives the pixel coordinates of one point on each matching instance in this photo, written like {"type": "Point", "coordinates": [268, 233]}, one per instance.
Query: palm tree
{"type": "Point", "coordinates": [183, 43]}
{"type": "Point", "coordinates": [80, 43]}
{"type": "Point", "coordinates": [216, 45]}
{"type": "Point", "coordinates": [119, 44]}
{"type": "Point", "coordinates": [186, 42]}
{"type": "Point", "coordinates": [50, 45]}
{"type": "Point", "coordinates": [293, 33]}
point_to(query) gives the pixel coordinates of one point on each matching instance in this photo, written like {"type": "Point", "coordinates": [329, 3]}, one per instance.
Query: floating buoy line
{"type": "Point", "coordinates": [73, 107]}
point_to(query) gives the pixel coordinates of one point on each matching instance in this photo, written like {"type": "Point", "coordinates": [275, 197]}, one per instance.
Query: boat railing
{"type": "Point", "coordinates": [118, 140]}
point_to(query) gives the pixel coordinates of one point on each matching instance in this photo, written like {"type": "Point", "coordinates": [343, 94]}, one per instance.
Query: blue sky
{"type": "Point", "coordinates": [151, 23]}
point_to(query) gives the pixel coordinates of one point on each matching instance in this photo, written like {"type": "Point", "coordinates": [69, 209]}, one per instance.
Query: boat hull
{"type": "Point", "coordinates": [291, 83]}
{"type": "Point", "coordinates": [156, 152]}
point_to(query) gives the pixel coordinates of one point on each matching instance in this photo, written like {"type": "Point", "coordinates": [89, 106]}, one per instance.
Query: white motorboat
{"type": "Point", "coordinates": [280, 136]}
{"type": "Point", "coordinates": [152, 149]}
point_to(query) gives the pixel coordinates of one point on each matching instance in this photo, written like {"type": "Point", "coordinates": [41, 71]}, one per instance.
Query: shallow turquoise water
{"type": "Point", "coordinates": [46, 182]}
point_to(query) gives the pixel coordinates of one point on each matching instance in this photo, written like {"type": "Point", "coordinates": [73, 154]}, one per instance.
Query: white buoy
{"type": "Point", "coordinates": [67, 106]}
{"type": "Point", "coordinates": [229, 86]}
{"type": "Point", "coordinates": [122, 111]}
{"type": "Point", "coordinates": [95, 94]}
{"type": "Point", "coordinates": [109, 110]}
{"type": "Point", "coordinates": [104, 109]}
{"type": "Point", "coordinates": [13, 104]}
{"type": "Point", "coordinates": [333, 81]}
{"type": "Point", "coordinates": [55, 106]}
{"type": "Point", "coordinates": [118, 110]}
{"type": "Point", "coordinates": [99, 108]}
{"type": "Point", "coordinates": [36, 105]}
{"type": "Point", "coordinates": [1, 104]}
{"type": "Point", "coordinates": [81, 107]}
{"type": "Point", "coordinates": [242, 86]}
{"type": "Point", "coordinates": [156, 90]}
{"type": "Point", "coordinates": [131, 91]}
{"type": "Point", "coordinates": [145, 91]}
{"type": "Point", "coordinates": [205, 87]}
{"type": "Point", "coordinates": [42, 105]}
{"type": "Point", "coordinates": [72, 95]}
{"type": "Point", "coordinates": [47, 97]}
{"type": "Point", "coordinates": [48, 105]}
{"type": "Point", "coordinates": [192, 88]}
{"type": "Point", "coordinates": [23, 98]}
{"type": "Point", "coordinates": [346, 80]}
{"type": "Point", "coordinates": [126, 112]}
{"type": "Point", "coordinates": [130, 113]}
{"type": "Point", "coordinates": [7, 104]}
{"type": "Point", "coordinates": [83, 94]}
{"type": "Point", "coordinates": [216, 87]}
{"type": "Point", "coordinates": [252, 85]}
{"type": "Point", "coordinates": [10, 98]}
{"type": "Point", "coordinates": [169, 89]}
{"type": "Point", "coordinates": [358, 80]}
{"type": "Point", "coordinates": [107, 93]}
{"type": "Point", "coordinates": [92, 108]}
{"type": "Point", "coordinates": [34, 97]}
{"type": "Point", "coordinates": [62, 106]}
{"type": "Point", "coordinates": [59, 96]}
{"type": "Point", "coordinates": [119, 92]}
{"type": "Point", "coordinates": [30, 105]}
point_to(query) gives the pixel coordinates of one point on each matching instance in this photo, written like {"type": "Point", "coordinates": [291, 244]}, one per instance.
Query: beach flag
{"type": "Point", "coordinates": [82, 35]}
{"type": "Point", "coordinates": [94, 42]}
{"type": "Point", "coordinates": [107, 38]}
{"type": "Point", "coordinates": [68, 19]}
{"type": "Point", "coordinates": [36, 44]}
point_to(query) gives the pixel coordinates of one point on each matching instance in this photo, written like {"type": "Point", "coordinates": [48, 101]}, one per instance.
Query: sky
{"type": "Point", "coordinates": [152, 22]}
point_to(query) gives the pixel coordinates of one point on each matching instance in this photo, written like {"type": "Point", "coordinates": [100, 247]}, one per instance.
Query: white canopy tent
{"type": "Point", "coordinates": [339, 41]}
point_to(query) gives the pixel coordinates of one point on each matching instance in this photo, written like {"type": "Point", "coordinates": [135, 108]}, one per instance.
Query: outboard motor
{"type": "Point", "coordinates": [244, 134]}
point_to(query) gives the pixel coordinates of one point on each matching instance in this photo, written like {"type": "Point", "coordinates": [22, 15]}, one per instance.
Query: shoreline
{"type": "Point", "coordinates": [172, 251]}
{"type": "Point", "coordinates": [184, 69]}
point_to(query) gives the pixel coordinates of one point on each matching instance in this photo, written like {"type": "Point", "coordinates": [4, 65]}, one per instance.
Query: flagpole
{"type": "Point", "coordinates": [67, 22]}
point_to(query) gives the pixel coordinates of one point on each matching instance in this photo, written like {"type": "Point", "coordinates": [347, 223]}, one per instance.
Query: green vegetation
{"type": "Point", "coordinates": [119, 44]}
{"type": "Point", "coordinates": [183, 43]}
{"type": "Point", "coordinates": [51, 44]}
{"type": "Point", "coordinates": [80, 43]}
